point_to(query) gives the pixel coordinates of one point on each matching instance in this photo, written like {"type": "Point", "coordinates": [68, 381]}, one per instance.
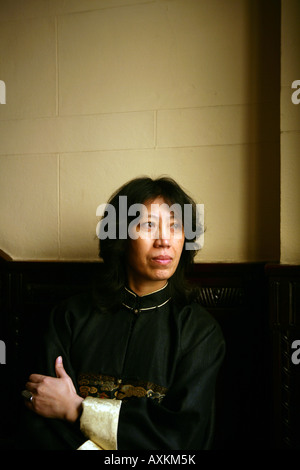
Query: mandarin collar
{"type": "Point", "coordinates": [148, 302]}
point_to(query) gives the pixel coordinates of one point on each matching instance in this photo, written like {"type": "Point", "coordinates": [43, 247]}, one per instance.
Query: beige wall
{"type": "Point", "coordinates": [101, 91]}
{"type": "Point", "coordinates": [290, 133]}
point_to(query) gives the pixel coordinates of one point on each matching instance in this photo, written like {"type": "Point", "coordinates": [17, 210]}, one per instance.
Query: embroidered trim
{"type": "Point", "coordinates": [147, 308]}
{"type": "Point", "coordinates": [148, 302]}
{"type": "Point", "coordinates": [105, 386]}
{"type": "Point", "coordinates": [150, 293]}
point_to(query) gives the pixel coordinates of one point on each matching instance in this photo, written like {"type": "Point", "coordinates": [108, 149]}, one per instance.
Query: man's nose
{"type": "Point", "coordinates": [163, 236]}
{"type": "Point", "coordinates": [162, 242]}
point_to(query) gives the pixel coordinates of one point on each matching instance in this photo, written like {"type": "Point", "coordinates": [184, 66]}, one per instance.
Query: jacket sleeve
{"type": "Point", "coordinates": [99, 423]}
{"type": "Point", "coordinates": [184, 419]}
{"type": "Point", "coordinates": [35, 431]}
{"type": "Point", "coordinates": [97, 427]}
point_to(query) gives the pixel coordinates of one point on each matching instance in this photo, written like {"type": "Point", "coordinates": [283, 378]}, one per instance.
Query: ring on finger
{"type": "Point", "coordinates": [27, 395]}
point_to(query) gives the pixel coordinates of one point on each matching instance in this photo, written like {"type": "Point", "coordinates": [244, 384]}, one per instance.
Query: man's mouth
{"type": "Point", "coordinates": [163, 260]}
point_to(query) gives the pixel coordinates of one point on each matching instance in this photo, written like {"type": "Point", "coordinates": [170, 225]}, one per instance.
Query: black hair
{"type": "Point", "coordinates": [113, 250]}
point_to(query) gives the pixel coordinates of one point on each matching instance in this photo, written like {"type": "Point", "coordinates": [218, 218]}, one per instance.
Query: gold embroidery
{"type": "Point", "coordinates": [131, 391]}
{"type": "Point", "coordinates": [104, 386]}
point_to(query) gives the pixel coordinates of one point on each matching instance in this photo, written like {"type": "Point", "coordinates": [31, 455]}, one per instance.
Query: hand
{"type": "Point", "coordinates": [54, 397]}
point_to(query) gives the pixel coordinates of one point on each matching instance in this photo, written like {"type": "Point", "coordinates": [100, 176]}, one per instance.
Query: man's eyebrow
{"type": "Point", "coordinates": [149, 214]}
{"type": "Point", "coordinates": [172, 215]}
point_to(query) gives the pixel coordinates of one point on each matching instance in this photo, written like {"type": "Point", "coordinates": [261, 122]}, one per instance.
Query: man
{"type": "Point", "coordinates": [135, 365]}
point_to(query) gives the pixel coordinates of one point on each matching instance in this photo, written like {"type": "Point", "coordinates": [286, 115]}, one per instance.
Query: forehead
{"type": "Point", "coordinates": [159, 206]}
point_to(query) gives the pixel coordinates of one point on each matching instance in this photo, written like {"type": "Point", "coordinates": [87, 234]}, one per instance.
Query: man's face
{"type": "Point", "coordinates": [154, 254]}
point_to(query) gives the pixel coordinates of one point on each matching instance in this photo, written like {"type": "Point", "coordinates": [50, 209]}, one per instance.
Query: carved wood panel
{"type": "Point", "coordinates": [284, 310]}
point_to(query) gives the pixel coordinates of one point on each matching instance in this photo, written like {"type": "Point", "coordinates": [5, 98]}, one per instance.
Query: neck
{"type": "Point", "coordinates": [146, 288]}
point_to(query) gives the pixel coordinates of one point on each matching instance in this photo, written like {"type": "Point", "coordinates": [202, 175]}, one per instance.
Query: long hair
{"type": "Point", "coordinates": [113, 249]}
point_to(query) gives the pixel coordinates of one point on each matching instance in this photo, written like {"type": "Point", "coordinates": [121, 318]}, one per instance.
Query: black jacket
{"type": "Point", "coordinates": [161, 361]}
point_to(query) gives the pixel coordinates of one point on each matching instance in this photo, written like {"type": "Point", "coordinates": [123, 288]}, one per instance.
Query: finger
{"type": "Point", "coordinates": [28, 404]}
{"type": "Point", "coordinates": [31, 386]}
{"type": "Point", "coordinates": [36, 378]}
{"type": "Point", "coordinates": [59, 368]}
{"type": "Point", "coordinates": [28, 399]}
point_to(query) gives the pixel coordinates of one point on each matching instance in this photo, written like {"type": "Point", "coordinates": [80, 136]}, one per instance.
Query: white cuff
{"type": "Point", "coordinates": [89, 445]}
{"type": "Point", "coordinates": [99, 422]}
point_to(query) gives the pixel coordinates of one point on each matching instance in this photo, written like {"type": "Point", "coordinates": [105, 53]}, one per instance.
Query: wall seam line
{"type": "Point", "coordinates": [57, 70]}
{"type": "Point", "coordinates": [58, 208]}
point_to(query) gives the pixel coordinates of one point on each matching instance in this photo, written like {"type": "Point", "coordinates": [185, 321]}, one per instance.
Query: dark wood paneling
{"type": "Point", "coordinates": [236, 295]}
{"type": "Point", "coordinates": [284, 318]}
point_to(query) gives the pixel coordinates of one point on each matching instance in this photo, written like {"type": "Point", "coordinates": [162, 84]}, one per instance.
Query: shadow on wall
{"type": "Point", "coordinates": [262, 211]}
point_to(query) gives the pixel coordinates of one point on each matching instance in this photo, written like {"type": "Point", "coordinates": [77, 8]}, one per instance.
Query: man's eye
{"type": "Point", "coordinates": [176, 226]}
{"type": "Point", "coordinates": [148, 225]}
